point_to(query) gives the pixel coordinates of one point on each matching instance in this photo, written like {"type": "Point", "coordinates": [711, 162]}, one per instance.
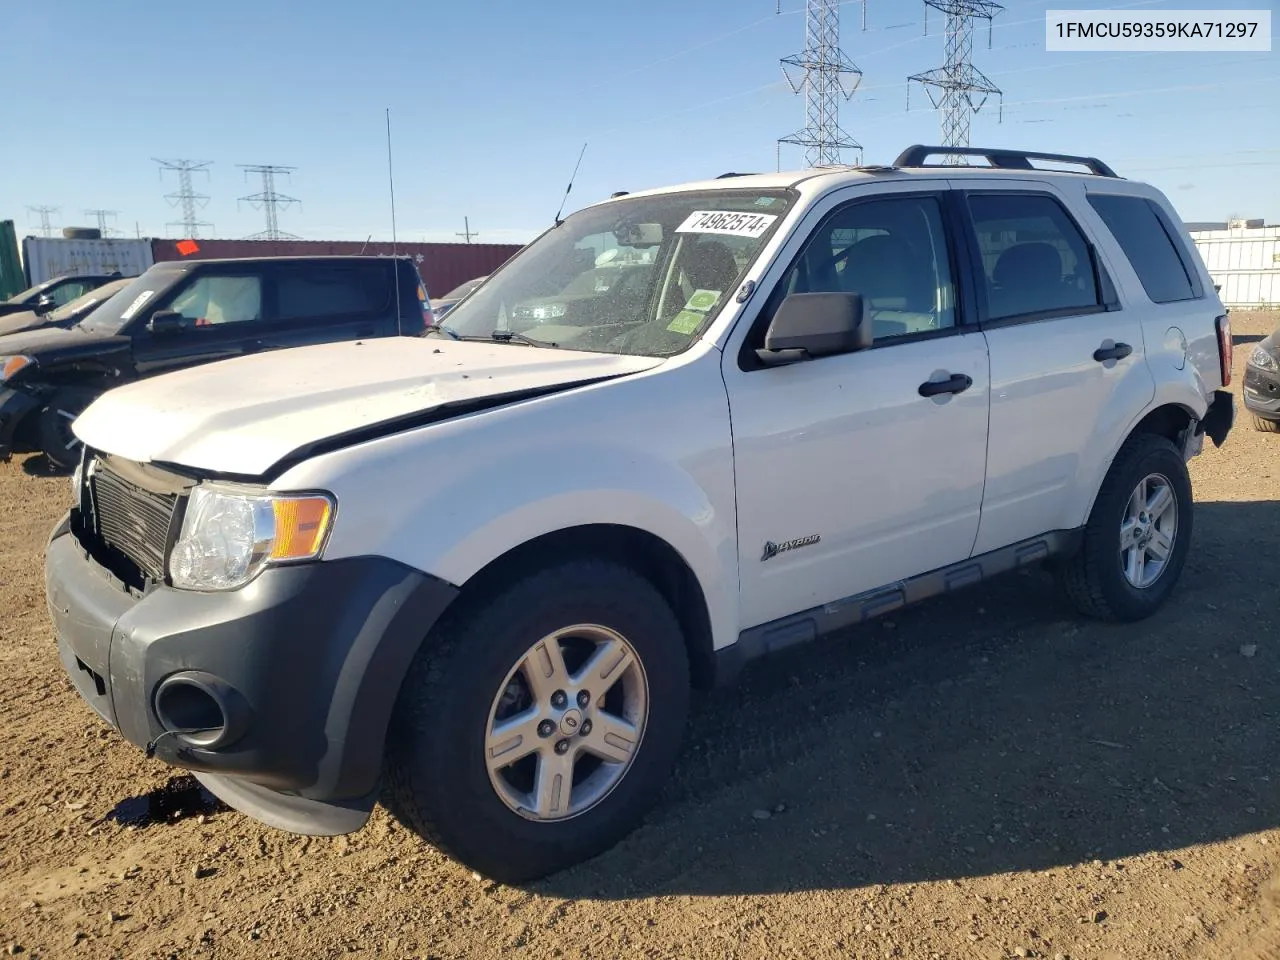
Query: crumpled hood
{"type": "Point", "coordinates": [242, 416]}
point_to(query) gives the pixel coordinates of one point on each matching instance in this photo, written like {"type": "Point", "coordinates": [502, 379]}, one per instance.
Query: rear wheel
{"type": "Point", "coordinates": [1137, 537]}
{"type": "Point", "coordinates": [1266, 426]}
{"type": "Point", "coordinates": [540, 725]}
{"type": "Point", "coordinates": [57, 440]}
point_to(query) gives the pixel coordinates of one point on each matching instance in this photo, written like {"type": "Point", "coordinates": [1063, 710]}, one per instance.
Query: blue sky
{"type": "Point", "coordinates": [491, 101]}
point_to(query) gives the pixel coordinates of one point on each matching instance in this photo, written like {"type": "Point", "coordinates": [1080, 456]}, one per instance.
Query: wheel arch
{"type": "Point", "coordinates": [1169, 419]}
{"type": "Point", "coordinates": [646, 553]}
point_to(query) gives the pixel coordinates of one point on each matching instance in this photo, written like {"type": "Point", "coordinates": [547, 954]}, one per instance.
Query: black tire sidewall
{"type": "Point", "coordinates": [471, 820]}
{"type": "Point", "coordinates": [1151, 455]}
{"type": "Point", "coordinates": [52, 442]}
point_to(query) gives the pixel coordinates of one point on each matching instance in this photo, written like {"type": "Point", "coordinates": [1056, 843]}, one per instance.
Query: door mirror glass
{"type": "Point", "coordinates": [169, 321]}
{"type": "Point", "coordinates": [811, 325]}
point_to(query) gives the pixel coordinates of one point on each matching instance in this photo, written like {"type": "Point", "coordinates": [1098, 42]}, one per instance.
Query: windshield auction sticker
{"type": "Point", "coordinates": [134, 307]}
{"type": "Point", "coordinates": [727, 222]}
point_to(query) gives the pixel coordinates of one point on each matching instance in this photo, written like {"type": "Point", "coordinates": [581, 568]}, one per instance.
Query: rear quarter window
{"type": "Point", "coordinates": [317, 291]}
{"type": "Point", "coordinates": [1144, 236]}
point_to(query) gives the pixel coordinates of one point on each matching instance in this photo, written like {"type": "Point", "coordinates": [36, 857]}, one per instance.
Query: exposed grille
{"type": "Point", "coordinates": [132, 520]}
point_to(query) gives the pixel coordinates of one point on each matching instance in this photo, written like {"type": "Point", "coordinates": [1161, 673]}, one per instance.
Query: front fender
{"type": "Point", "coordinates": [651, 452]}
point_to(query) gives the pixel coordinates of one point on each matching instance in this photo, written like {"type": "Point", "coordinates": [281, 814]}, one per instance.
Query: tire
{"type": "Point", "coordinates": [59, 444]}
{"type": "Point", "coordinates": [437, 780]}
{"type": "Point", "coordinates": [1266, 426]}
{"type": "Point", "coordinates": [1095, 577]}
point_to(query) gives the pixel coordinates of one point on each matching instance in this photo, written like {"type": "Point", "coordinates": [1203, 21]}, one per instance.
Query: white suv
{"type": "Point", "coordinates": [477, 574]}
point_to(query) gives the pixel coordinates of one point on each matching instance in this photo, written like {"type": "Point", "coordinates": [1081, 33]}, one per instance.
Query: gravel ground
{"type": "Point", "coordinates": [984, 776]}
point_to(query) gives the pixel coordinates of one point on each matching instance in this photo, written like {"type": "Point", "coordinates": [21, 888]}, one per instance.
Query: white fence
{"type": "Point", "coordinates": [1246, 262]}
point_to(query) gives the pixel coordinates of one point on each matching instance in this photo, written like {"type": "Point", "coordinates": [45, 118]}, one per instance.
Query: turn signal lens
{"type": "Point", "coordinates": [9, 366]}
{"type": "Point", "coordinates": [301, 525]}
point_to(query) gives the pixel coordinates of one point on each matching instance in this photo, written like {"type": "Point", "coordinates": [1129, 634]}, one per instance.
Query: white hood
{"type": "Point", "coordinates": [243, 415]}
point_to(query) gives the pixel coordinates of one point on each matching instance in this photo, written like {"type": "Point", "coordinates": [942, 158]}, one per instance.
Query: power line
{"type": "Point", "coordinates": [44, 212]}
{"type": "Point", "coordinates": [101, 216]}
{"type": "Point", "coordinates": [186, 196]}
{"type": "Point", "coordinates": [957, 88]}
{"type": "Point", "coordinates": [269, 200]}
{"type": "Point", "coordinates": [824, 75]}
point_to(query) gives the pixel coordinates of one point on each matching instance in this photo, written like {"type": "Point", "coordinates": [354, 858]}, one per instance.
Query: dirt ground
{"type": "Point", "coordinates": [985, 776]}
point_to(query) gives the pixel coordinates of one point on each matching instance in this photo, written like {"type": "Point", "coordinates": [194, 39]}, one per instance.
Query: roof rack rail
{"type": "Point", "coordinates": [915, 155]}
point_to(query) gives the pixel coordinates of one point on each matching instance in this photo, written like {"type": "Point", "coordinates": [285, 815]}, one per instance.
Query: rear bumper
{"type": "Point", "coordinates": [297, 673]}
{"type": "Point", "coordinates": [15, 406]}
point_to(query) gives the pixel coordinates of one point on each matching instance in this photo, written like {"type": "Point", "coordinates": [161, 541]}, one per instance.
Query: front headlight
{"type": "Point", "coordinates": [229, 535]}
{"type": "Point", "coordinates": [1262, 360]}
{"type": "Point", "coordinates": [12, 363]}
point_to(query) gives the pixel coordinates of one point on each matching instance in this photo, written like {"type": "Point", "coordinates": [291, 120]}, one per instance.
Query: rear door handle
{"type": "Point", "coordinates": [956, 383]}
{"type": "Point", "coordinates": [1117, 352]}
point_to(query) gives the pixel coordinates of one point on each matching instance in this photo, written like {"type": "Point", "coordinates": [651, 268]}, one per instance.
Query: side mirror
{"type": "Point", "coordinates": [168, 321]}
{"type": "Point", "coordinates": [43, 305]}
{"type": "Point", "coordinates": [811, 325]}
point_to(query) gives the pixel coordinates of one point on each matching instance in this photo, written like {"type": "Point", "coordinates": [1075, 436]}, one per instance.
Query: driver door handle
{"type": "Point", "coordinates": [1118, 352]}
{"type": "Point", "coordinates": [957, 383]}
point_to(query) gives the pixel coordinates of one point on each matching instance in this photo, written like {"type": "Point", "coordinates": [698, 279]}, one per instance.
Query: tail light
{"type": "Point", "coordinates": [1223, 323]}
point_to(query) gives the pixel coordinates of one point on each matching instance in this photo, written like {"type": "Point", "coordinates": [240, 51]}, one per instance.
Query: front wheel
{"type": "Point", "coordinates": [1265, 426]}
{"type": "Point", "coordinates": [58, 441]}
{"type": "Point", "coordinates": [540, 725]}
{"type": "Point", "coordinates": [1137, 537]}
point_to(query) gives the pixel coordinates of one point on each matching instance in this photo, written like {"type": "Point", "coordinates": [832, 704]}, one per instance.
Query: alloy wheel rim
{"type": "Point", "coordinates": [566, 723]}
{"type": "Point", "coordinates": [65, 432]}
{"type": "Point", "coordinates": [1148, 531]}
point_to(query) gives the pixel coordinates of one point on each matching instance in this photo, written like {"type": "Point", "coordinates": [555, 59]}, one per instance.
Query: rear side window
{"type": "Point", "coordinates": [1140, 230]}
{"type": "Point", "coordinates": [317, 290]}
{"type": "Point", "coordinates": [1035, 260]}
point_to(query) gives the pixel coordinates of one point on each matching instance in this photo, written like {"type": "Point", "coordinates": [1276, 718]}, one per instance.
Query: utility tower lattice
{"type": "Point", "coordinates": [44, 212]}
{"type": "Point", "coordinates": [825, 75]}
{"type": "Point", "coordinates": [469, 233]}
{"type": "Point", "coordinates": [186, 196]}
{"type": "Point", "coordinates": [958, 89]}
{"type": "Point", "coordinates": [101, 216]}
{"type": "Point", "coordinates": [269, 201]}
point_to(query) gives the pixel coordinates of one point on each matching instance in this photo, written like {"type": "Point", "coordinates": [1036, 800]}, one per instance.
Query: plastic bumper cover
{"type": "Point", "coordinates": [299, 671]}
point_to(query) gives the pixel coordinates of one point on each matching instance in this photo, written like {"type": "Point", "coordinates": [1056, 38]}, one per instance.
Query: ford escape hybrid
{"type": "Point", "coordinates": [477, 574]}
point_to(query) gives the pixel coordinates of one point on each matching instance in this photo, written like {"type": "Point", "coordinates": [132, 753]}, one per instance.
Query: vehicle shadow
{"type": "Point", "coordinates": [39, 465]}
{"type": "Point", "coordinates": [987, 732]}
{"type": "Point", "coordinates": [1243, 339]}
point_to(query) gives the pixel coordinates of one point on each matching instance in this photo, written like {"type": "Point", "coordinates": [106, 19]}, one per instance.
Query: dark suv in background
{"type": "Point", "coordinates": [178, 314]}
{"type": "Point", "coordinates": [54, 292]}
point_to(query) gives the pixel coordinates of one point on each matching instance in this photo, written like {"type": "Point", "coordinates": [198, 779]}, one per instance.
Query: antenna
{"type": "Point", "coordinates": [269, 200]}
{"type": "Point", "coordinates": [186, 196]}
{"type": "Point", "coordinates": [395, 266]}
{"type": "Point", "coordinates": [570, 187]}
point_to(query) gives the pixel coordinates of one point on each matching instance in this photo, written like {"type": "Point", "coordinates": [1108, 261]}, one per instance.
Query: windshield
{"type": "Point", "coordinates": [114, 314]}
{"type": "Point", "coordinates": [84, 301]}
{"type": "Point", "coordinates": [639, 276]}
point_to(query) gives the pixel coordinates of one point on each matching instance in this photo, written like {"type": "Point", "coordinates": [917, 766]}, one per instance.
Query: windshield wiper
{"type": "Point", "coordinates": [510, 336]}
